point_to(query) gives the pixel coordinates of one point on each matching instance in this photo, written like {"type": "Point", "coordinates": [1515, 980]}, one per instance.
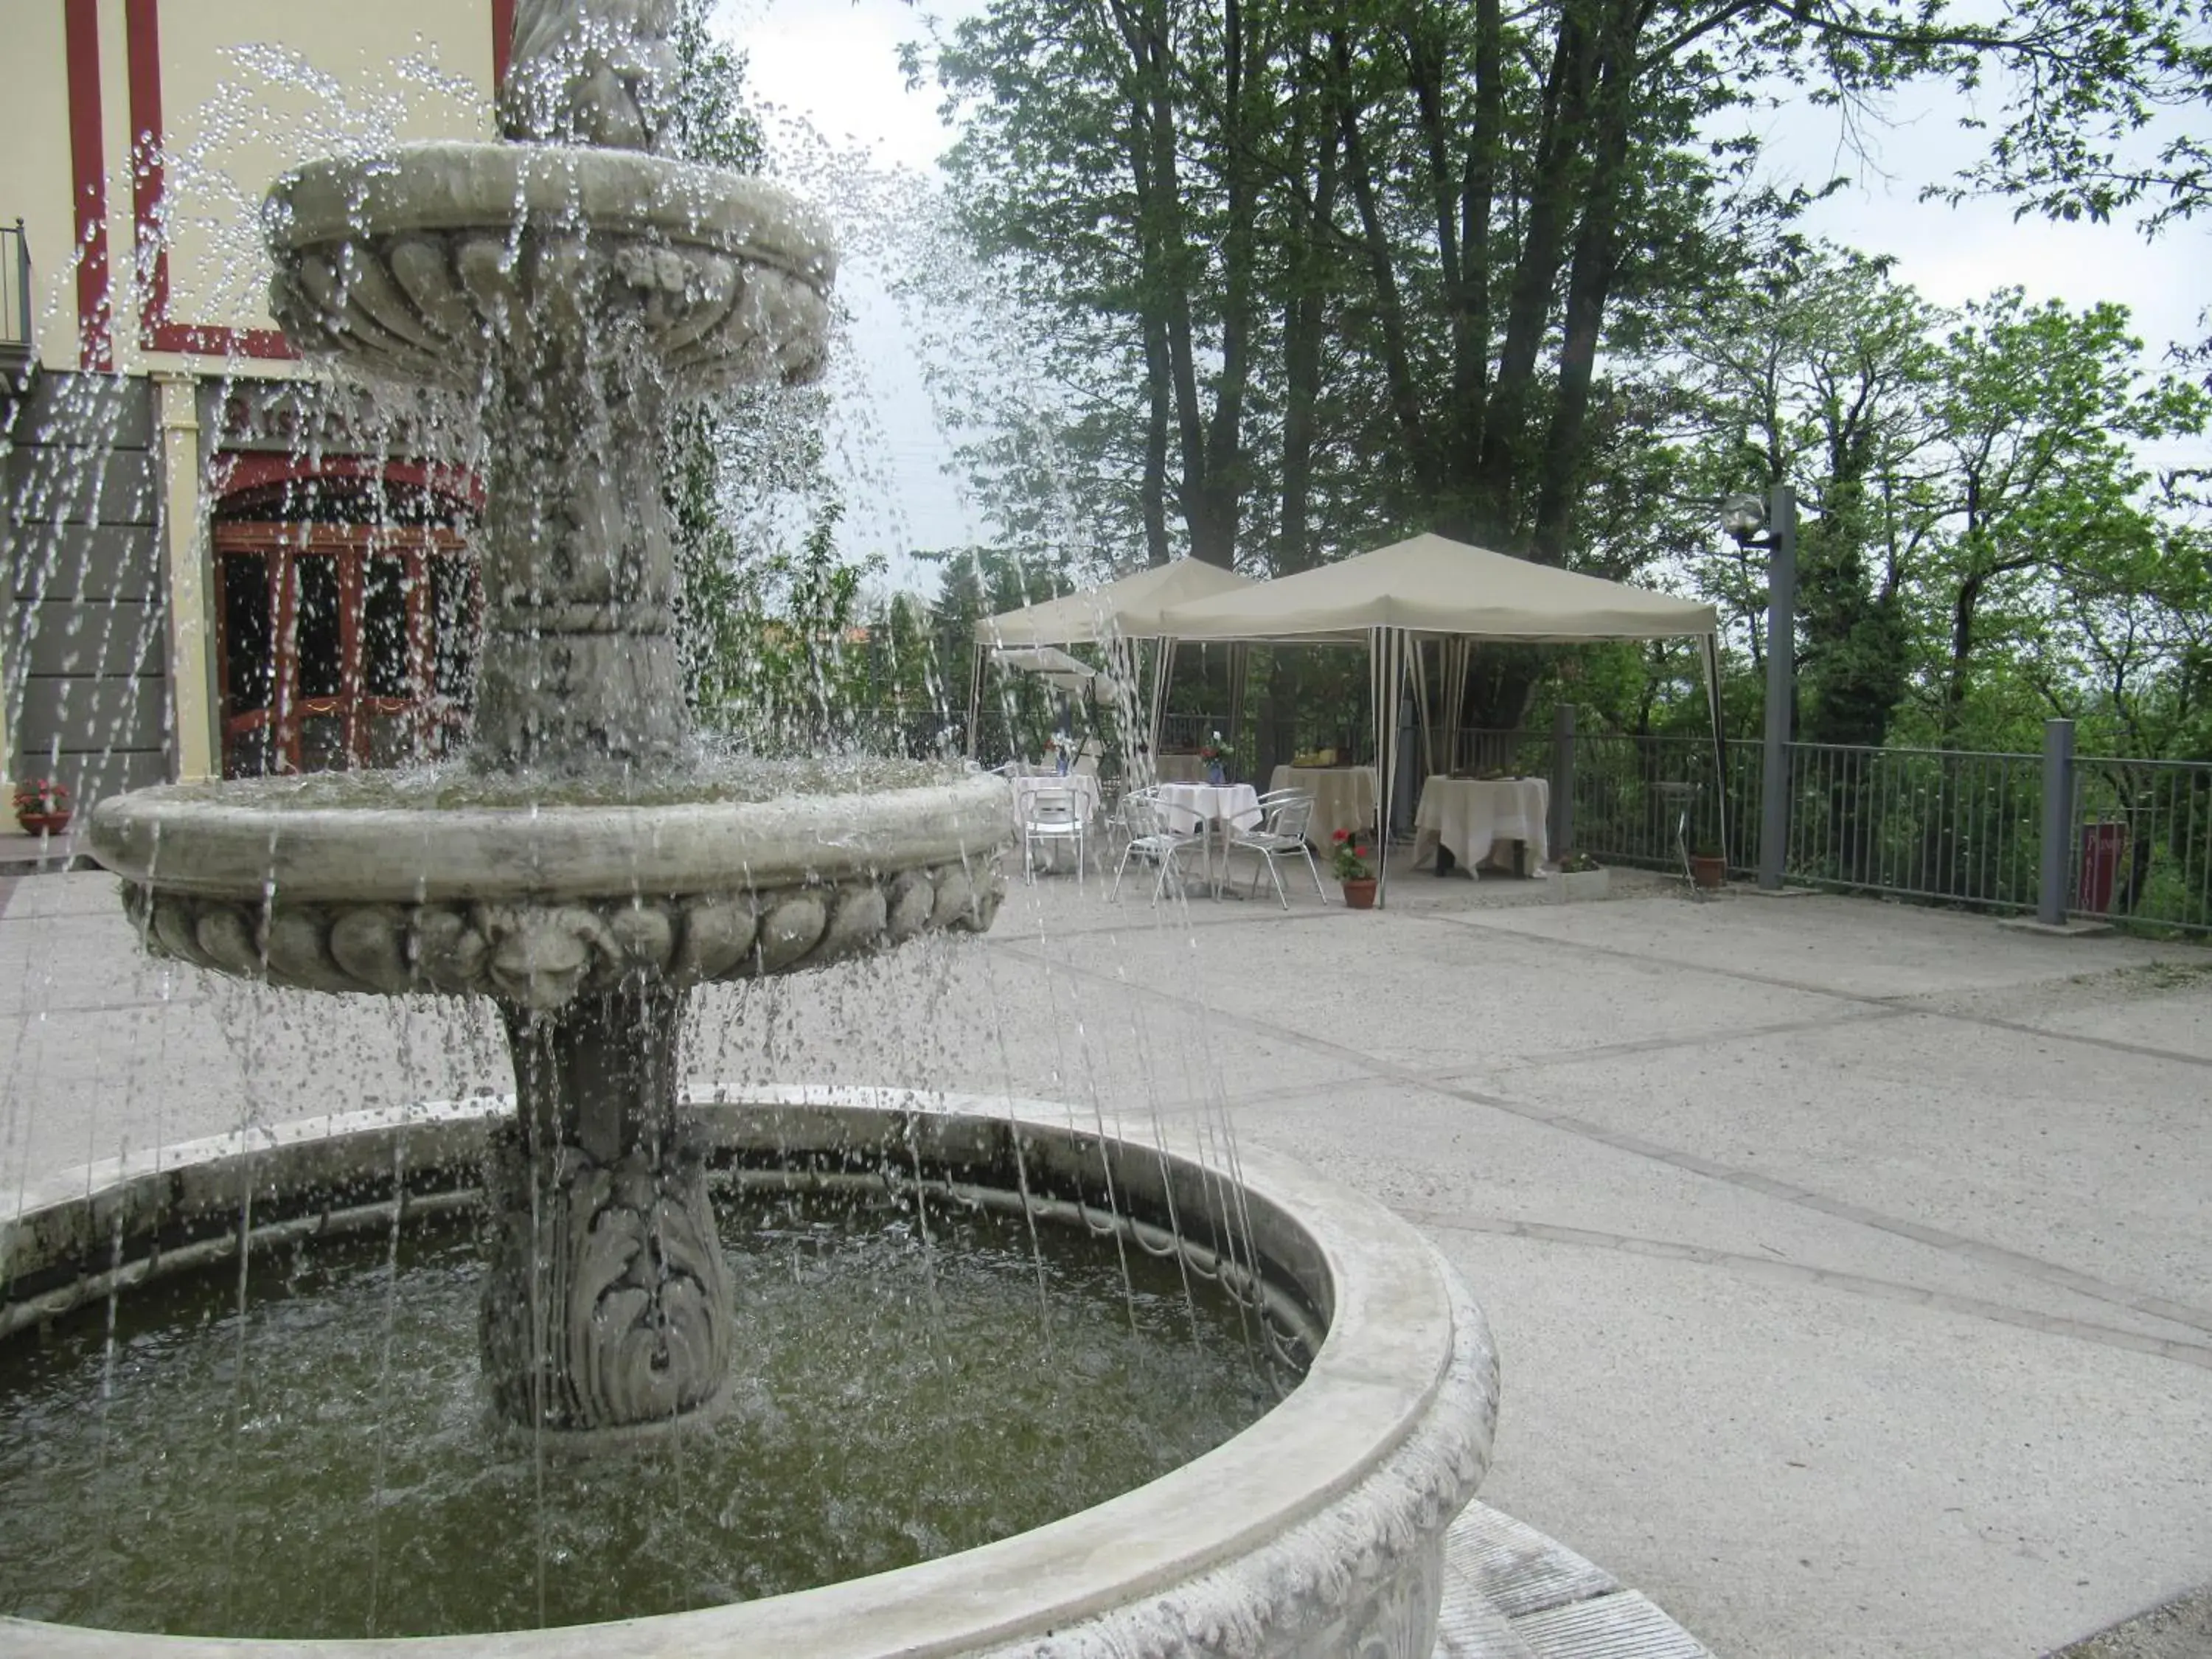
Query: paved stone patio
{"type": "Point", "coordinates": [1851, 1263]}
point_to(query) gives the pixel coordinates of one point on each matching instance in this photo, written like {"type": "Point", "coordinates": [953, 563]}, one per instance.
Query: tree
{"type": "Point", "coordinates": [2106, 112]}
{"type": "Point", "coordinates": [1816, 371]}
{"type": "Point", "coordinates": [2035, 483]}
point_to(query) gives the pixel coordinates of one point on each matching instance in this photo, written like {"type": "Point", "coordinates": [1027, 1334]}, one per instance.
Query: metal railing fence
{"type": "Point", "coordinates": [2142, 841]}
{"type": "Point", "coordinates": [1629, 795]}
{"type": "Point", "coordinates": [1943, 826]}
{"type": "Point", "coordinates": [16, 338]}
{"type": "Point", "coordinates": [1924, 823]}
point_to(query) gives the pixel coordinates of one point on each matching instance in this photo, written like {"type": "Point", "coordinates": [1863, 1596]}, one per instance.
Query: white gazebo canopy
{"type": "Point", "coordinates": [1128, 609]}
{"type": "Point", "coordinates": [1116, 616]}
{"type": "Point", "coordinates": [1432, 586]}
{"type": "Point", "coordinates": [1051, 665]}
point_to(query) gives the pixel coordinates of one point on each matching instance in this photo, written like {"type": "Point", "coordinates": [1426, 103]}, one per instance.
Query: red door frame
{"type": "Point", "coordinates": [281, 546]}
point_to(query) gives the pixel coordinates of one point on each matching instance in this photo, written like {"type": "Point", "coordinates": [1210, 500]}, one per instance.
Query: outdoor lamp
{"type": "Point", "coordinates": [1743, 516]}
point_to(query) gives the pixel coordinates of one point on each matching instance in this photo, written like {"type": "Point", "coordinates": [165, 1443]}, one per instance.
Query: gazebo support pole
{"type": "Point", "coordinates": [1240, 668]}
{"type": "Point", "coordinates": [976, 695]}
{"type": "Point", "coordinates": [1713, 656]}
{"type": "Point", "coordinates": [1386, 673]}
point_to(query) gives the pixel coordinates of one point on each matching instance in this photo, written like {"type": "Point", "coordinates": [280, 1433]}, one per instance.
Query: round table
{"type": "Point", "coordinates": [1205, 804]}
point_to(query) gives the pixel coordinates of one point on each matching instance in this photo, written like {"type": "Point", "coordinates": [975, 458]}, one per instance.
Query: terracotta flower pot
{"type": "Point", "coordinates": [1359, 895]}
{"type": "Point", "coordinates": [43, 824]}
{"type": "Point", "coordinates": [1709, 871]}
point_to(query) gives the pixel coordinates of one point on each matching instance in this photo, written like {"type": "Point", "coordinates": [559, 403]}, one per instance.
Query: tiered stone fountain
{"type": "Point", "coordinates": [573, 283]}
{"type": "Point", "coordinates": [584, 873]}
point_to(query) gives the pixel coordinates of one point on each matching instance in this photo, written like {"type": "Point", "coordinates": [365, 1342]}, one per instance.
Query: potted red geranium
{"type": "Point", "coordinates": [42, 806]}
{"type": "Point", "coordinates": [1353, 871]}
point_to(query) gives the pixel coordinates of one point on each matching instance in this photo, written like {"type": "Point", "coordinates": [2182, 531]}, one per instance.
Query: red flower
{"type": "Point", "coordinates": [1359, 852]}
{"type": "Point", "coordinates": [1341, 835]}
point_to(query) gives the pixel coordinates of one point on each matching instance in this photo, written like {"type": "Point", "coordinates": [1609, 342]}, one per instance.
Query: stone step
{"type": "Point", "coordinates": [1511, 1593]}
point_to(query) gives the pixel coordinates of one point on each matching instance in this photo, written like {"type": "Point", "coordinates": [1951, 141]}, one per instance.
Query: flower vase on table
{"type": "Point", "coordinates": [1217, 754]}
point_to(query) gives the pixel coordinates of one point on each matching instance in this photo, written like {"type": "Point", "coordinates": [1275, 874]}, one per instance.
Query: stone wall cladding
{"type": "Point", "coordinates": [86, 647]}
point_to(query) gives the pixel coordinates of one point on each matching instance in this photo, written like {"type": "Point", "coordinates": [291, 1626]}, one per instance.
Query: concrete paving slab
{"type": "Point", "coordinates": [1479, 1006]}
{"type": "Point", "coordinates": [1448, 1161]}
{"type": "Point", "coordinates": [2164, 1007]}
{"type": "Point", "coordinates": [1793, 1472]}
{"type": "Point", "coordinates": [1851, 946]}
{"type": "Point", "coordinates": [1985, 1138]}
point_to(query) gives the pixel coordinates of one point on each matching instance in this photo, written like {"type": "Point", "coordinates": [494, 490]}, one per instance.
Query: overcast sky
{"type": "Point", "coordinates": [831, 65]}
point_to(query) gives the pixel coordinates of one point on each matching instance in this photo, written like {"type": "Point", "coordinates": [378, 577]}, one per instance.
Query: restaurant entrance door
{"type": "Point", "coordinates": [342, 645]}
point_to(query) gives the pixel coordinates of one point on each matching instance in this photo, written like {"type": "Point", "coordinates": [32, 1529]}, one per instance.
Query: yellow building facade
{"type": "Point", "coordinates": [217, 563]}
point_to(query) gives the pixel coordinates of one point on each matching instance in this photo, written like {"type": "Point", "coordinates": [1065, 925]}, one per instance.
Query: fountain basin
{"type": "Point", "coordinates": [414, 263]}
{"type": "Point", "coordinates": [266, 878]}
{"type": "Point", "coordinates": [1318, 1531]}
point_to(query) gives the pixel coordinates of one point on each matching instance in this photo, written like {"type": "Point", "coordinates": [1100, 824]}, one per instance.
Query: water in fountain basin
{"type": "Point", "coordinates": [897, 1402]}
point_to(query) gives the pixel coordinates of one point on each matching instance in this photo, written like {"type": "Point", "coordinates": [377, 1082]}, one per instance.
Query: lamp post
{"type": "Point", "coordinates": [1773, 525]}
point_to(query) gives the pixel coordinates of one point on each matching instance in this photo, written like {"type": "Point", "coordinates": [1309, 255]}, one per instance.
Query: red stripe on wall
{"type": "Point", "coordinates": [502, 40]}
{"type": "Point", "coordinates": [96, 339]}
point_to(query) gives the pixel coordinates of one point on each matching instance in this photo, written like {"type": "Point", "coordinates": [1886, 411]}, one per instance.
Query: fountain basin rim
{"type": "Point", "coordinates": [1389, 1431]}
{"type": "Point", "coordinates": [189, 839]}
{"type": "Point", "coordinates": [448, 185]}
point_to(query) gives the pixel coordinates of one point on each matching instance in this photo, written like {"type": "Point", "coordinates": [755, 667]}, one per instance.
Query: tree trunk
{"type": "Point", "coordinates": [1302, 356]}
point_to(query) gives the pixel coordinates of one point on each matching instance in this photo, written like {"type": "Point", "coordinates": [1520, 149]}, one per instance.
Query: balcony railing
{"type": "Point", "coordinates": [17, 343]}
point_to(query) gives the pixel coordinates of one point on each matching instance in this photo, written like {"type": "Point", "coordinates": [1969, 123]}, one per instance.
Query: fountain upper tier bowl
{"type": "Point", "coordinates": [363, 883]}
{"type": "Point", "coordinates": [417, 264]}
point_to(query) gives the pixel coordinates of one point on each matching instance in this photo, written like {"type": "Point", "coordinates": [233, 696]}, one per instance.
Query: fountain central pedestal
{"type": "Point", "coordinates": [606, 1303]}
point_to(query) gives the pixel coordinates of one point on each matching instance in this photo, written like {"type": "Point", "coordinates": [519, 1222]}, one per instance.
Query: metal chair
{"type": "Point", "coordinates": [1281, 832]}
{"type": "Point", "coordinates": [1049, 816]}
{"type": "Point", "coordinates": [1150, 836]}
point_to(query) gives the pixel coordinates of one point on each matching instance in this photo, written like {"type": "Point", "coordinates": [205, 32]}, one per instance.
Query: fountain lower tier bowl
{"type": "Point", "coordinates": [1317, 1530]}
{"type": "Point", "coordinates": [366, 882]}
{"type": "Point", "coordinates": [415, 264]}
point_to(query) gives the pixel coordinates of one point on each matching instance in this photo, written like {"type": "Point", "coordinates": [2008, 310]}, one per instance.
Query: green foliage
{"type": "Point", "coordinates": [1980, 547]}
{"type": "Point", "coordinates": [787, 671]}
{"type": "Point", "coordinates": [1020, 712]}
{"type": "Point", "coordinates": [714, 122]}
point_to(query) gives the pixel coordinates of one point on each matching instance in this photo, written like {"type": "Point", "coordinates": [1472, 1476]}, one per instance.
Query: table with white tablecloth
{"type": "Point", "coordinates": [1210, 811]}
{"type": "Point", "coordinates": [1471, 817]}
{"type": "Point", "coordinates": [1343, 799]}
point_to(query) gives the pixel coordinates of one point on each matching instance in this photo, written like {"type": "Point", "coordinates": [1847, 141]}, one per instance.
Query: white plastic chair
{"type": "Point", "coordinates": [1151, 836]}
{"type": "Point", "coordinates": [1050, 816]}
{"type": "Point", "coordinates": [1280, 833]}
